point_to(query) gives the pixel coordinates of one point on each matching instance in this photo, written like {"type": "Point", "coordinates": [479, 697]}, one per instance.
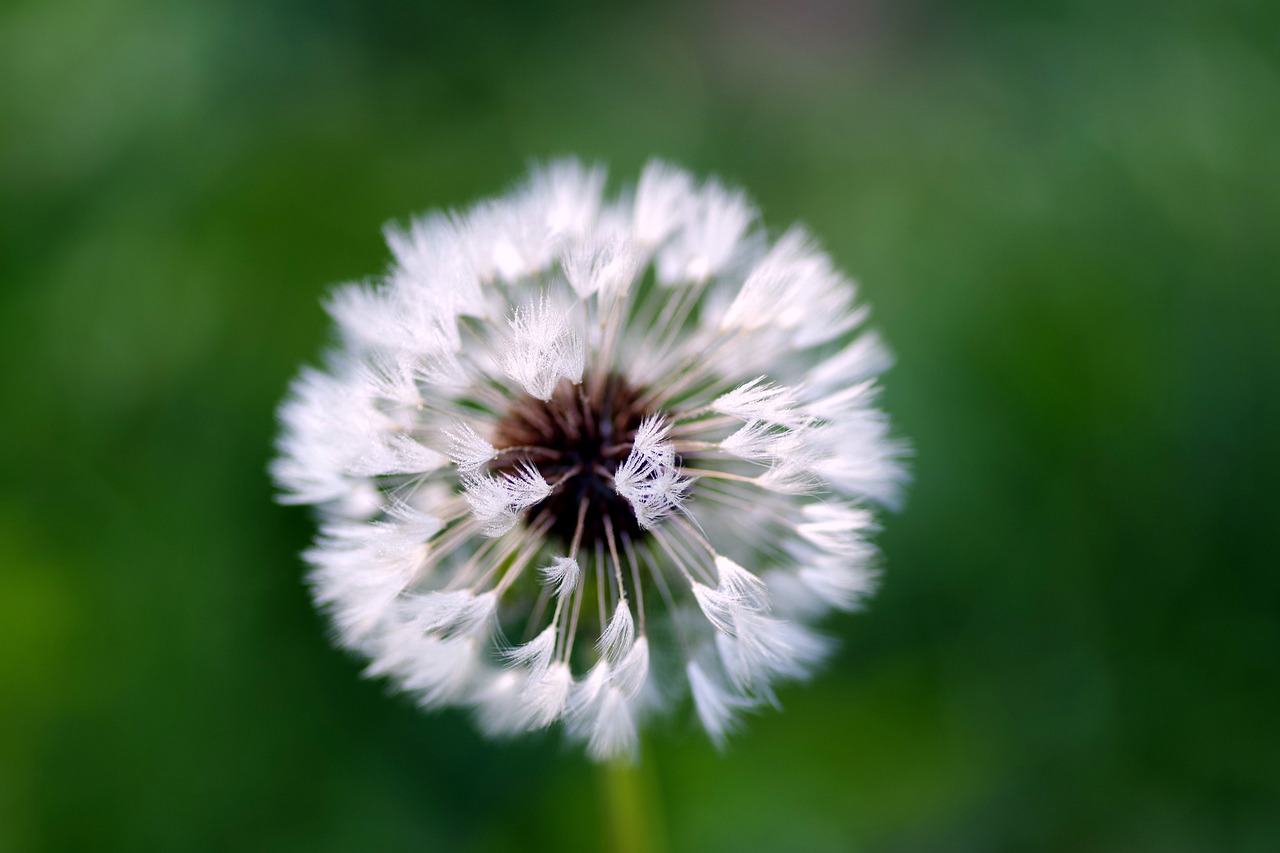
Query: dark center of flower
{"type": "Point", "coordinates": [576, 440]}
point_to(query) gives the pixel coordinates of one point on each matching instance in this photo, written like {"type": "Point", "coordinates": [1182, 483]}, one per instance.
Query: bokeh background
{"type": "Point", "coordinates": [1065, 215]}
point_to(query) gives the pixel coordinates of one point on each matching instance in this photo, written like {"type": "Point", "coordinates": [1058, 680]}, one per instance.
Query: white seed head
{"type": "Point", "coordinates": [560, 419]}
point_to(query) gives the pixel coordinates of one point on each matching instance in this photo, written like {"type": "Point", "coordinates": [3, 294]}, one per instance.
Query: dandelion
{"type": "Point", "coordinates": [578, 457]}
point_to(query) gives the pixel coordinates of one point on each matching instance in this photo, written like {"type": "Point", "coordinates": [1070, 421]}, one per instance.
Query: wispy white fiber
{"type": "Point", "coordinates": [763, 650]}
{"type": "Point", "coordinates": [837, 528]}
{"type": "Point", "coordinates": [394, 318]}
{"type": "Point", "coordinates": [583, 705]}
{"type": "Point", "coordinates": [795, 288]}
{"type": "Point", "coordinates": [605, 265]}
{"type": "Point", "coordinates": [754, 440]}
{"type": "Point", "coordinates": [391, 378]}
{"type": "Point", "coordinates": [838, 582]}
{"type": "Point", "coordinates": [328, 424]}
{"type": "Point", "coordinates": [542, 348]}
{"type": "Point", "coordinates": [544, 699]}
{"type": "Point", "coordinates": [796, 467]}
{"type": "Point", "coordinates": [498, 703]}
{"type": "Point", "coordinates": [759, 400]}
{"type": "Point", "coordinates": [360, 569]}
{"type": "Point", "coordinates": [712, 231]}
{"type": "Point", "coordinates": [650, 478]}
{"type": "Point", "coordinates": [468, 450]}
{"type": "Point", "coordinates": [618, 635]}
{"type": "Point", "coordinates": [440, 672]}
{"type": "Point", "coordinates": [432, 264]}
{"type": "Point", "coordinates": [717, 706]}
{"type": "Point", "coordinates": [852, 402]}
{"type": "Point", "coordinates": [632, 669]}
{"type": "Point", "coordinates": [496, 502]}
{"type": "Point", "coordinates": [505, 239]}
{"type": "Point", "coordinates": [568, 195]}
{"type": "Point", "coordinates": [865, 357]}
{"type": "Point", "coordinates": [397, 454]}
{"type": "Point", "coordinates": [435, 671]}
{"type": "Point", "coordinates": [613, 733]}
{"type": "Point", "coordinates": [453, 613]}
{"type": "Point", "coordinates": [736, 592]}
{"type": "Point", "coordinates": [534, 655]}
{"type": "Point", "coordinates": [599, 713]}
{"type": "Point", "coordinates": [664, 194]}
{"type": "Point", "coordinates": [562, 575]}
{"type": "Point", "coordinates": [858, 456]}
{"type": "Point", "coordinates": [512, 701]}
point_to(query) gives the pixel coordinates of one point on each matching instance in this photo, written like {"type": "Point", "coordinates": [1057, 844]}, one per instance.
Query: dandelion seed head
{"type": "Point", "coordinates": [576, 457]}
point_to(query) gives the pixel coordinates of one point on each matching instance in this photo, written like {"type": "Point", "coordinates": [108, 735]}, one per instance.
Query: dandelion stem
{"type": "Point", "coordinates": [633, 820]}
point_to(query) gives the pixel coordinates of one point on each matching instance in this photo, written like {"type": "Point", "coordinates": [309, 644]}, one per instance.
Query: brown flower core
{"type": "Point", "coordinates": [576, 440]}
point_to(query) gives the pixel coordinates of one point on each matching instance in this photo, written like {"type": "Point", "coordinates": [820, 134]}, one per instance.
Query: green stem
{"type": "Point", "coordinates": [632, 823]}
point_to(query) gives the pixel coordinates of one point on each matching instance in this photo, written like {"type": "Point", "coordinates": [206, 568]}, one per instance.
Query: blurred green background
{"type": "Point", "coordinates": [1065, 215]}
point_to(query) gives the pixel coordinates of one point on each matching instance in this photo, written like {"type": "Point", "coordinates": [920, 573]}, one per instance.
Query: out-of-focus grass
{"type": "Point", "coordinates": [1065, 218]}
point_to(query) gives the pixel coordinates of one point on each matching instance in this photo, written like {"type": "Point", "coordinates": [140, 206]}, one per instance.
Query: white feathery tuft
{"type": "Point", "coordinates": [506, 239]}
{"type": "Point", "coordinates": [737, 591]}
{"type": "Point", "coordinates": [534, 655]}
{"type": "Point", "coordinates": [604, 265]}
{"type": "Point", "coordinates": [546, 697]}
{"type": "Point", "coordinates": [460, 613]}
{"type": "Point", "coordinates": [436, 671]}
{"type": "Point", "coordinates": [719, 609]}
{"type": "Point", "coordinates": [714, 222]}
{"type": "Point", "coordinates": [393, 378]}
{"type": "Point", "coordinates": [361, 311]}
{"type": "Point", "coordinates": [542, 348]}
{"type": "Point", "coordinates": [857, 456]}
{"type": "Point", "coordinates": [584, 701]}
{"type": "Point", "coordinates": [500, 710]}
{"type": "Point", "coordinates": [618, 636]}
{"type": "Point", "coordinates": [467, 449]}
{"type": "Point", "coordinates": [360, 569]}
{"type": "Point", "coordinates": [397, 454]}
{"type": "Point", "coordinates": [718, 707]}
{"type": "Point", "coordinates": [568, 196]}
{"type": "Point", "coordinates": [663, 194]}
{"type": "Point", "coordinates": [409, 521]}
{"type": "Point", "coordinates": [837, 528]}
{"type": "Point", "coordinates": [737, 582]}
{"type": "Point", "coordinates": [328, 423]}
{"type": "Point", "coordinates": [855, 401]}
{"type": "Point", "coordinates": [613, 734]}
{"type": "Point", "coordinates": [798, 463]}
{"type": "Point", "coordinates": [431, 261]}
{"type": "Point", "coordinates": [794, 288]}
{"type": "Point", "coordinates": [866, 357]}
{"type": "Point", "coordinates": [763, 650]}
{"type": "Point", "coordinates": [632, 671]}
{"type": "Point", "coordinates": [442, 671]}
{"type": "Point", "coordinates": [496, 502]}
{"type": "Point", "coordinates": [754, 441]}
{"type": "Point", "coordinates": [839, 583]}
{"type": "Point", "coordinates": [758, 400]}
{"type": "Point", "coordinates": [392, 317]}
{"type": "Point", "coordinates": [562, 575]}
{"type": "Point", "coordinates": [649, 478]}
